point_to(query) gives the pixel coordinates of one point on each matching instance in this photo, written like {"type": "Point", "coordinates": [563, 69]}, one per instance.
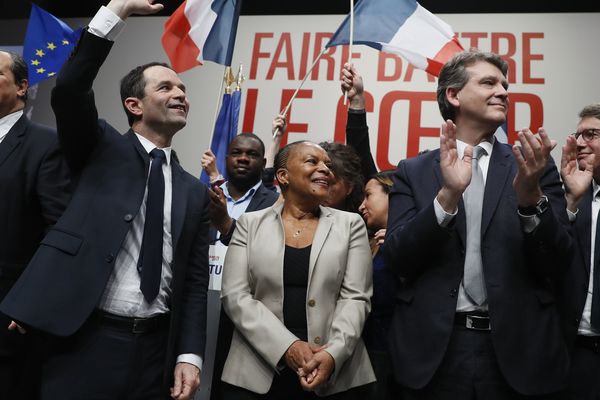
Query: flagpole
{"type": "Point", "coordinates": [351, 42]}
{"type": "Point", "coordinates": [289, 104]}
{"type": "Point", "coordinates": [218, 102]}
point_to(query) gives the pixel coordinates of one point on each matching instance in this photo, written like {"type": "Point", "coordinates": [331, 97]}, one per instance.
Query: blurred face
{"type": "Point", "coordinates": [245, 161]}
{"type": "Point", "coordinates": [374, 207]}
{"type": "Point", "coordinates": [10, 91]}
{"type": "Point", "coordinates": [585, 149]}
{"type": "Point", "coordinates": [307, 173]}
{"type": "Point", "coordinates": [339, 189]}
{"type": "Point", "coordinates": [484, 98]}
{"type": "Point", "coordinates": [165, 104]}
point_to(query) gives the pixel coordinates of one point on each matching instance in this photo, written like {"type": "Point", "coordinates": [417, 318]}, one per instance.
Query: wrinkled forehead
{"type": "Point", "coordinates": [306, 149]}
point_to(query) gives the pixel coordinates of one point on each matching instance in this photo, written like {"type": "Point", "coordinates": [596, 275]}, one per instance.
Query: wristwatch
{"type": "Point", "coordinates": [540, 207]}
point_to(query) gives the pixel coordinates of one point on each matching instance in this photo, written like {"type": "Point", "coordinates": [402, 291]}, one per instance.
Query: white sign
{"type": "Point", "coordinates": [216, 258]}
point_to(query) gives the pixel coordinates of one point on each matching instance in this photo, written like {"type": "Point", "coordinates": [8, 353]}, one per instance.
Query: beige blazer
{"type": "Point", "coordinates": [338, 298]}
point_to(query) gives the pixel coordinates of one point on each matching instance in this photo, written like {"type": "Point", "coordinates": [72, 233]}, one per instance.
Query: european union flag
{"type": "Point", "coordinates": [48, 43]}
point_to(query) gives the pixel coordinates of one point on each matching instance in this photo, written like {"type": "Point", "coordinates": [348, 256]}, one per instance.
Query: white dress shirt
{"type": "Point", "coordinates": [7, 122]}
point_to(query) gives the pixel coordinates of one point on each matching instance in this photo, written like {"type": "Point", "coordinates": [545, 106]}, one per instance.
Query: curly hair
{"type": "Point", "coordinates": [346, 166]}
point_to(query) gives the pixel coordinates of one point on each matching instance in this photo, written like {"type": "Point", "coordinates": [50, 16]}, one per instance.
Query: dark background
{"type": "Point", "coordinates": [86, 8]}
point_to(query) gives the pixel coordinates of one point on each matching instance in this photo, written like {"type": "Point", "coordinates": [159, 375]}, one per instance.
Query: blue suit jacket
{"type": "Point", "coordinates": [520, 273]}
{"type": "Point", "coordinates": [68, 274]}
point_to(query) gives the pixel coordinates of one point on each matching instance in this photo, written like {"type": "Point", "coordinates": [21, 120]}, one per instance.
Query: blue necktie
{"type": "Point", "coordinates": [595, 318]}
{"type": "Point", "coordinates": [150, 260]}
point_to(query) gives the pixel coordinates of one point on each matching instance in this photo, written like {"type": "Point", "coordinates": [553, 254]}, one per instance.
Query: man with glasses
{"type": "Point", "coordinates": [580, 170]}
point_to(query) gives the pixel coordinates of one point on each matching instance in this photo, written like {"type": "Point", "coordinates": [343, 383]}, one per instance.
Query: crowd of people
{"type": "Point", "coordinates": [468, 272]}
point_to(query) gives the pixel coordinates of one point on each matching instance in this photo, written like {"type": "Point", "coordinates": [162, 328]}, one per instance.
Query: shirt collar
{"type": "Point", "coordinates": [246, 195]}
{"type": "Point", "coordinates": [8, 121]}
{"type": "Point", "coordinates": [487, 146]}
{"type": "Point", "coordinates": [595, 188]}
{"type": "Point", "coordinates": [149, 146]}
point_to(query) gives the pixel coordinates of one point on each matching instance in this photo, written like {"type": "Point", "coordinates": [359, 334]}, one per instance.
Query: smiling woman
{"type": "Point", "coordinates": [297, 286]}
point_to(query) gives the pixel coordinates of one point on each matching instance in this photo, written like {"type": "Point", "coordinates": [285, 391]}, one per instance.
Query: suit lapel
{"type": "Point", "coordinates": [257, 199]}
{"type": "Point", "coordinates": [179, 202]}
{"type": "Point", "coordinates": [498, 171]}
{"type": "Point", "coordinates": [460, 220]}
{"type": "Point", "coordinates": [130, 135]}
{"type": "Point", "coordinates": [13, 138]}
{"type": "Point", "coordinates": [583, 226]}
{"type": "Point", "coordinates": [323, 228]}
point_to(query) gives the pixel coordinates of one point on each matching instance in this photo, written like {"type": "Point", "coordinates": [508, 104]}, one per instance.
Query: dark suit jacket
{"type": "Point", "coordinates": [67, 275]}
{"type": "Point", "coordinates": [34, 191]}
{"type": "Point", "coordinates": [574, 287]}
{"type": "Point", "coordinates": [520, 271]}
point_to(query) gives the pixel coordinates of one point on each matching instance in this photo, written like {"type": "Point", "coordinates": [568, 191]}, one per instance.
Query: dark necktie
{"type": "Point", "coordinates": [473, 281]}
{"type": "Point", "coordinates": [595, 319]}
{"type": "Point", "coordinates": [150, 261]}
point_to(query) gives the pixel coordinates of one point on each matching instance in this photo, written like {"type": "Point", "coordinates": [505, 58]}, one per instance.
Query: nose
{"type": "Point", "coordinates": [363, 206]}
{"type": "Point", "coordinates": [324, 168]}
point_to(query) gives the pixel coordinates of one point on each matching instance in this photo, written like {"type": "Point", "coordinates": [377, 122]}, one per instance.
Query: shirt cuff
{"type": "Point", "coordinates": [443, 218]}
{"type": "Point", "coordinates": [106, 24]}
{"type": "Point", "coordinates": [529, 222]}
{"type": "Point", "coordinates": [572, 215]}
{"type": "Point", "coordinates": [190, 358]}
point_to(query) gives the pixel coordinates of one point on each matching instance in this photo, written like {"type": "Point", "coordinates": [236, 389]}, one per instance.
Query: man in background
{"type": "Point", "coordinates": [34, 191]}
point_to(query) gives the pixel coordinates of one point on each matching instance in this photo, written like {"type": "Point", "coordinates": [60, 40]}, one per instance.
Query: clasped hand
{"type": "Point", "coordinates": [313, 365]}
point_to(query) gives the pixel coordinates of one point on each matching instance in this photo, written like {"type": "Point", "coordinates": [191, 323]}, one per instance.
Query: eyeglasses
{"type": "Point", "coordinates": [587, 134]}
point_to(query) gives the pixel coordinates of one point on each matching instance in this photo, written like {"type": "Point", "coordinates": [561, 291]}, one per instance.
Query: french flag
{"type": "Point", "coordinates": [401, 27]}
{"type": "Point", "coordinates": [201, 30]}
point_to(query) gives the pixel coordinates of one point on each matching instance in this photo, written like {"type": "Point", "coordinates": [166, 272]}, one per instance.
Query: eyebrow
{"type": "Point", "coordinates": [170, 83]}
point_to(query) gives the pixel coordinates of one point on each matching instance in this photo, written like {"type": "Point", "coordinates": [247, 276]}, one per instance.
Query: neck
{"type": "Point", "coordinates": [160, 139]}
{"type": "Point", "coordinates": [238, 189]}
{"type": "Point", "coordinates": [299, 211]}
{"type": "Point", "coordinates": [473, 134]}
{"type": "Point", "coordinates": [5, 112]}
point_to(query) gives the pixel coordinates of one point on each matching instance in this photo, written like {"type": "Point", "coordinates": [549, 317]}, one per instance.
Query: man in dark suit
{"type": "Point", "coordinates": [122, 277]}
{"type": "Point", "coordinates": [243, 192]}
{"type": "Point", "coordinates": [34, 191]}
{"type": "Point", "coordinates": [476, 234]}
{"type": "Point", "coordinates": [580, 296]}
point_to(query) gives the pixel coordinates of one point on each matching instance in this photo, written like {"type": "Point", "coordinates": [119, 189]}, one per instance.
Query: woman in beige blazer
{"type": "Point", "coordinates": [297, 286]}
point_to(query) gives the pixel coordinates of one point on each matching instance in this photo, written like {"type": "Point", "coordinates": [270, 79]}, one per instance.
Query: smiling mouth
{"type": "Point", "coordinates": [322, 182]}
{"type": "Point", "coordinates": [179, 108]}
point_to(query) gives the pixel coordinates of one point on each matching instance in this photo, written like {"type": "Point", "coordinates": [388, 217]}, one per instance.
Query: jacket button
{"type": "Point", "coordinates": [576, 322]}
{"type": "Point", "coordinates": [128, 217]}
{"type": "Point", "coordinates": [317, 339]}
{"type": "Point", "coordinates": [584, 288]}
{"type": "Point", "coordinates": [312, 303]}
{"type": "Point", "coordinates": [462, 252]}
{"type": "Point", "coordinates": [453, 292]}
{"type": "Point", "coordinates": [109, 258]}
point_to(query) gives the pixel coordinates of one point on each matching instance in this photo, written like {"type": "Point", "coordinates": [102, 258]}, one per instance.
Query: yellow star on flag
{"type": "Point", "coordinates": [40, 70]}
{"type": "Point", "coordinates": [52, 74]}
{"type": "Point", "coordinates": [40, 53]}
{"type": "Point", "coordinates": [35, 62]}
{"type": "Point", "coordinates": [51, 46]}
{"type": "Point", "coordinates": [65, 42]}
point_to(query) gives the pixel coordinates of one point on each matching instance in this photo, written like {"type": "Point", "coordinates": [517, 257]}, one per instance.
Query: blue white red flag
{"type": "Point", "coordinates": [401, 27]}
{"type": "Point", "coordinates": [201, 30]}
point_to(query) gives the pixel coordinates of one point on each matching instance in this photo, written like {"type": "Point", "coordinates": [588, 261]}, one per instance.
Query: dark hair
{"type": "Point", "coordinates": [384, 178]}
{"type": "Point", "coordinates": [19, 69]}
{"type": "Point", "coordinates": [591, 110]}
{"type": "Point", "coordinates": [251, 135]}
{"type": "Point", "coordinates": [346, 166]}
{"type": "Point", "coordinates": [281, 159]}
{"type": "Point", "coordinates": [454, 75]}
{"type": "Point", "coordinates": [133, 85]}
